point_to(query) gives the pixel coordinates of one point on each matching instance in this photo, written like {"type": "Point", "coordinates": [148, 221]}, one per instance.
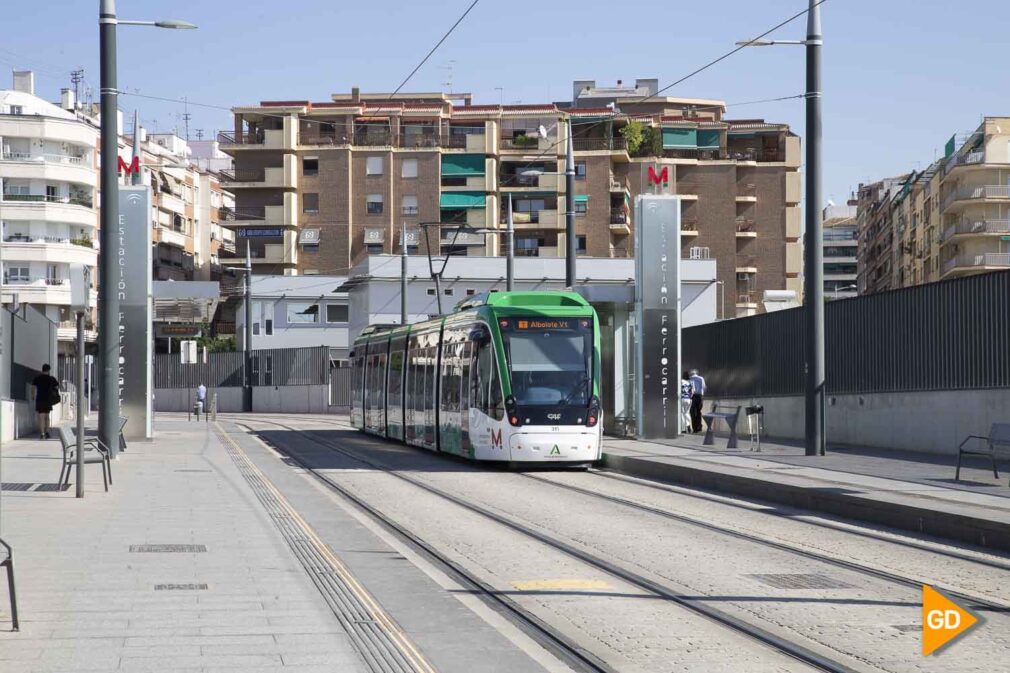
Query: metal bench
{"type": "Point", "coordinates": [730, 417]}
{"type": "Point", "coordinates": [94, 452]}
{"type": "Point", "coordinates": [999, 437]}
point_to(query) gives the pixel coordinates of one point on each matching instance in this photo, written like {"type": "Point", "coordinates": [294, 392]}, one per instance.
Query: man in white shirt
{"type": "Point", "coordinates": [697, 398]}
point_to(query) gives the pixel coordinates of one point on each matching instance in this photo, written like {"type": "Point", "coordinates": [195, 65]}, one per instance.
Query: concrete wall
{"type": "Point", "coordinates": [930, 422]}
{"type": "Point", "coordinates": [266, 399]}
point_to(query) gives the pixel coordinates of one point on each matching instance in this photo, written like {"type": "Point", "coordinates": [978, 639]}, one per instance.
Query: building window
{"type": "Point", "coordinates": [528, 247]}
{"type": "Point", "coordinates": [580, 208]}
{"type": "Point", "coordinates": [303, 312]}
{"type": "Point", "coordinates": [310, 247]}
{"type": "Point", "coordinates": [431, 292]}
{"type": "Point", "coordinates": [256, 329]}
{"type": "Point", "coordinates": [17, 110]}
{"type": "Point", "coordinates": [310, 272]}
{"type": "Point", "coordinates": [310, 203]}
{"type": "Point", "coordinates": [409, 168]}
{"type": "Point", "coordinates": [409, 204]}
{"type": "Point", "coordinates": [373, 166]}
{"type": "Point", "coordinates": [580, 170]}
{"type": "Point", "coordinates": [374, 248]}
{"type": "Point", "coordinates": [268, 326]}
{"type": "Point", "coordinates": [470, 292]}
{"type": "Point", "coordinates": [374, 204]}
{"type": "Point", "coordinates": [336, 313]}
{"type": "Point", "coordinates": [580, 244]}
{"type": "Point", "coordinates": [310, 166]}
{"type": "Point", "coordinates": [448, 292]}
{"type": "Point", "coordinates": [17, 273]}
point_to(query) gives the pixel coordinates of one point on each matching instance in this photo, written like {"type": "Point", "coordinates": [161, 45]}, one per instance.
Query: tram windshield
{"type": "Point", "coordinates": [550, 360]}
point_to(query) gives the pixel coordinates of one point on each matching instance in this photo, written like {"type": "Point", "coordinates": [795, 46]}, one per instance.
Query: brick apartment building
{"type": "Point", "coordinates": [319, 185]}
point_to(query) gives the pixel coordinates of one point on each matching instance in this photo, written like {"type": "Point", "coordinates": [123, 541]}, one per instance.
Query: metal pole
{"type": "Point", "coordinates": [510, 259]}
{"type": "Point", "coordinates": [108, 301]}
{"type": "Point", "coordinates": [80, 404]}
{"type": "Point", "coordinates": [438, 292]}
{"type": "Point", "coordinates": [248, 395]}
{"type": "Point", "coordinates": [814, 267]}
{"type": "Point", "coordinates": [570, 243]}
{"type": "Point", "coordinates": [403, 276]}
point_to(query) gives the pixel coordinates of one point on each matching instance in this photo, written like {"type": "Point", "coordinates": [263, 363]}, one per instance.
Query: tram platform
{"type": "Point", "coordinates": [210, 553]}
{"type": "Point", "coordinates": [902, 490]}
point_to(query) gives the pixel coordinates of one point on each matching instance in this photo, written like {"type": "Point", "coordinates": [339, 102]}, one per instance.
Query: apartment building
{"type": "Point", "coordinates": [949, 220]}
{"type": "Point", "coordinates": [188, 205]}
{"type": "Point", "coordinates": [48, 183]}
{"type": "Point", "coordinates": [975, 202]}
{"type": "Point", "coordinates": [840, 240]}
{"type": "Point", "coordinates": [320, 185]}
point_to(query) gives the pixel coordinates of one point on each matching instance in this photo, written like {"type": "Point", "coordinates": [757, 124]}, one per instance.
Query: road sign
{"type": "Point", "coordinates": [177, 330]}
{"type": "Point", "coordinates": [188, 351]}
{"type": "Point", "coordinates": [943, 620]}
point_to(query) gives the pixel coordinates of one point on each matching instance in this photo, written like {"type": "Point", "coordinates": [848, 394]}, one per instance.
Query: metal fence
{"type": "Point", "coordinates": [949, 335]}
{"type": "Point", "coordinates": [270, 367]}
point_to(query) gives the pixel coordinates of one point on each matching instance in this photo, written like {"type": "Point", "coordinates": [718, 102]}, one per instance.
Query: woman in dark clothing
{"type": "Point", "coordinates": [47, 390]}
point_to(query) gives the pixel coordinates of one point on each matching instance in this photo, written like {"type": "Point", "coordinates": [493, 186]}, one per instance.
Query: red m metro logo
{"type": "Point", "coordinates": [132, 167]}
{"type": "Point", "coordinates": [662, 178]}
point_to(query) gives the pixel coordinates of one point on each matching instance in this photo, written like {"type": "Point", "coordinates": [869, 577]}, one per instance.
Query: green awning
{"type": "Point", "coordinates": [680, 138]}
{"type": "Point", "coordinates": [463, 164]}
{"type": "Point", "coordinates": [708, 139]}
{"type": "Point", "coordinates": [454, 200]}
{"type": "Point", "coordinates": [581, 198]}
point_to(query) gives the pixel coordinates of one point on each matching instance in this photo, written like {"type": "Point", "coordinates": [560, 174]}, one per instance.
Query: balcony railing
{"type": "Point", "coordinates": [599, 144]}
{"type": "Point", "coordinates": [257, 137]}
{"type": "Point", "coordinates": [977, 227]}
{"type": "Point", "coordinates": [45, 198]}
{"type": "Point", "coordinates": [618, 216]}
{"type": "Point", "coordinates": [987, 259]}
{"type": "Point", "coordinates": [744, 298]}
{"type": "Point", "coordinates": [746, 261]}
{"type": "Point", "coordinates": [522, 143]}
{"type": "Point", "coordinates": [245, 175]}
{"type": "Point", "coordinates": [374, 138]}
{"type": "Point", "coordinates": [746, 189]}
{"type": "Point", "coordinates": [977, 192]}
{"type": "Point", "coordinates": [247, 213]}
{"type": "Point", "coordinates": [45, 158]}
{"type": "Point", "coordinates": [44, 281]}
{"type": "Point", "coordinates": [515, 180]}
{"type": "Point", "coordinates": [409, 210]}
{"type": "Point", "coordinates": [421, 140]}
{"type": "Point", "coordinates": [323, 139]}
{"type": "Point", "coordinates": [977, 157]}
{"type": "Point", "coordinates": [744, 224]}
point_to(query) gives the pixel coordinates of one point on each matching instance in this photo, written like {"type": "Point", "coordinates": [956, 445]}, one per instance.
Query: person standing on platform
{"type": "Point", "coordinates": [697, 399]}
{"type": "Point", "coordinates": [686, 393]}
{"type": "Point", "coordinates": [201, 399]}
{"type": "Point", "coordinates": [46, 391]}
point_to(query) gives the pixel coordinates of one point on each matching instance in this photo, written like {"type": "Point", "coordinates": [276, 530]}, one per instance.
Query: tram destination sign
{"type": "Point", "coordinates": [530, 324]}
{"type": "Point", "coordinates": [657, 303]}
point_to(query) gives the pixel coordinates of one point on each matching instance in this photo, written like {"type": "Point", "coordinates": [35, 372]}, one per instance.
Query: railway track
{"type": "Point", "coordinates": [554, 641]}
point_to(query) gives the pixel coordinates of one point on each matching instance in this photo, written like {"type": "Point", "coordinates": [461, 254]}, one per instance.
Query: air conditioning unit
{"type": "Point", "coordinates": [743, 276]}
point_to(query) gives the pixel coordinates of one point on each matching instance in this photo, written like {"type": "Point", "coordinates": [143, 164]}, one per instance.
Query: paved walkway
{"type": "Point", "coordinates": [901, 489]}
{"type": "Point", "coordinates": [92, 598]}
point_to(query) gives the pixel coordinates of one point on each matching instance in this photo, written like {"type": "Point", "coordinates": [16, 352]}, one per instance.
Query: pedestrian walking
{"type": "Point", "coordinates": [697, 398]}
{"type": "Point", "coordinates": [46, 391]}
{"type": "Point", "coordinates": [686, 392]}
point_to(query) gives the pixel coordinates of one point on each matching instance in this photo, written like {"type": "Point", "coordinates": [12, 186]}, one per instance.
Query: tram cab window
{"type": "Point", "coordinates": [485, 393]}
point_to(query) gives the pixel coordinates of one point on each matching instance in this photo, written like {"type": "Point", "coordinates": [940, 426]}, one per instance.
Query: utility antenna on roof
{"type": "Point", "coordinates": [448, 68]}
{"type": "Point", "coordinates": [76, 77]}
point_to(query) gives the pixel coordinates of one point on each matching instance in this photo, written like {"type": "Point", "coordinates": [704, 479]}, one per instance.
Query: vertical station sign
{"type": "Point", "coordinates": [133, 286]}
{"type": "Point", "coordinates": [657, 305]}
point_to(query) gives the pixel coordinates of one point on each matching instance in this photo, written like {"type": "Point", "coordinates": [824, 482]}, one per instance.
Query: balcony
{"type": "Point", "coordinates": [967, 159]}
{"type": "Point", "coordinates": [49, 249]}
{"type": "Point", "coordinates": [620, 221]}
{"type": "Point", "coordinates": [746, 192]}
{"type": "Point", "coordinates": [472, 139]}
{"type": "Point", "coordinates": [373, 138]}
{"type": "Point", "coordinates": [746, 263]}
{"type": "Point", "coordinates": [533, 145]}
{"type": "Point", "coordinates": [271, 177]}
{"type": "Point", "coordinates": [618, 186]}
{"type": "Point", "coordinates": [976, 228]}
{"type": "Point", "coordinates": [987, 261]}
{"type": "Point", "coordinates": [170, 237]}
{"type": "Point", "coordinates": [548, 183]}
{"type": "Point", "coordinates": [421, 140]}
{"type": "Point", "coordinates": [976, 193]}
{"type": "Point", "coordinates": [600, 144]}
{"type": "Point", "coordinates": [45, 198]}
{"type": "Point", "coordinates": [689, 227]}
{"type": "Point", "coordinates": [38, 289]}
{"type": "Point", "coordinates": [745, 228]}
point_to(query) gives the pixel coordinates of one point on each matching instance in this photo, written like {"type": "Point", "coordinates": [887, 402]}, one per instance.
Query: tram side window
{"type": "Point", "coordinates": [395, 386]}
{"type": "Point", "coordinates": [496, 404]}
{"type": "Point", "coordinates": [448, 354]}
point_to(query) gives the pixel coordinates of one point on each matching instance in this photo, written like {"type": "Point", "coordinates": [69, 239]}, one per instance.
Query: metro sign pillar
{"type": "Point", "coordinates": [657, 308]}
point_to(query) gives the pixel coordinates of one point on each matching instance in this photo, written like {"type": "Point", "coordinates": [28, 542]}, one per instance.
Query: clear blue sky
{"type": "Point", "coordinates": [900, 76]}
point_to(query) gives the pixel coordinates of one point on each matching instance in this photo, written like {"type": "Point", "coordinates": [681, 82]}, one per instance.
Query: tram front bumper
{"type": "Point", "coordinates": [543, 444]}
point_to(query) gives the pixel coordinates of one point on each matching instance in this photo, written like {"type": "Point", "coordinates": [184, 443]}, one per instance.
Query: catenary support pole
{"type": "Point", "coordinates": [403, 275]}
{"type": "Point", "coordinates": [570, 242]}
{"type": "Point", "coordinates": [247, 395]}
{"type": "Point", "coordinates": [510, 253]}
{"type": "Point", "coordinates": [108, 301]}
{"type": "Point", "coordinates": [814, 269]}
{"type": "Point", "coordinates": [79, 386]}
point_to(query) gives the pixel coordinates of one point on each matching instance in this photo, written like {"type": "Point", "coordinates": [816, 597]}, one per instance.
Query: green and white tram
{"type": "Point", "coordinates": [509, 376]}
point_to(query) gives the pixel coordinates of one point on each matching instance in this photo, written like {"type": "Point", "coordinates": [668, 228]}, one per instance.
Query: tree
{"type": "Point", "coordinates": [634, 134]}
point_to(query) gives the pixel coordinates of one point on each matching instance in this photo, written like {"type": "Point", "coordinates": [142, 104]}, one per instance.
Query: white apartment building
{"type": "Point", "coordinates": [840, 241]}
{"type": "Point", "coordinates": [48, 185]}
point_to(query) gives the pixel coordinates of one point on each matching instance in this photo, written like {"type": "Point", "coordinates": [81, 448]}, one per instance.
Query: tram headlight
{"type": "Point", "coordinates": [594, 412]}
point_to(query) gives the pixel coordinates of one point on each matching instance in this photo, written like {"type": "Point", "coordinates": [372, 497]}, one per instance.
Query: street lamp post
{"type": "Point", "coordinates": [813, 267]}
{"type": "Point", "coordinates": [571, 248]}
{"type": "Point", "coordinates": [108, 299]}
